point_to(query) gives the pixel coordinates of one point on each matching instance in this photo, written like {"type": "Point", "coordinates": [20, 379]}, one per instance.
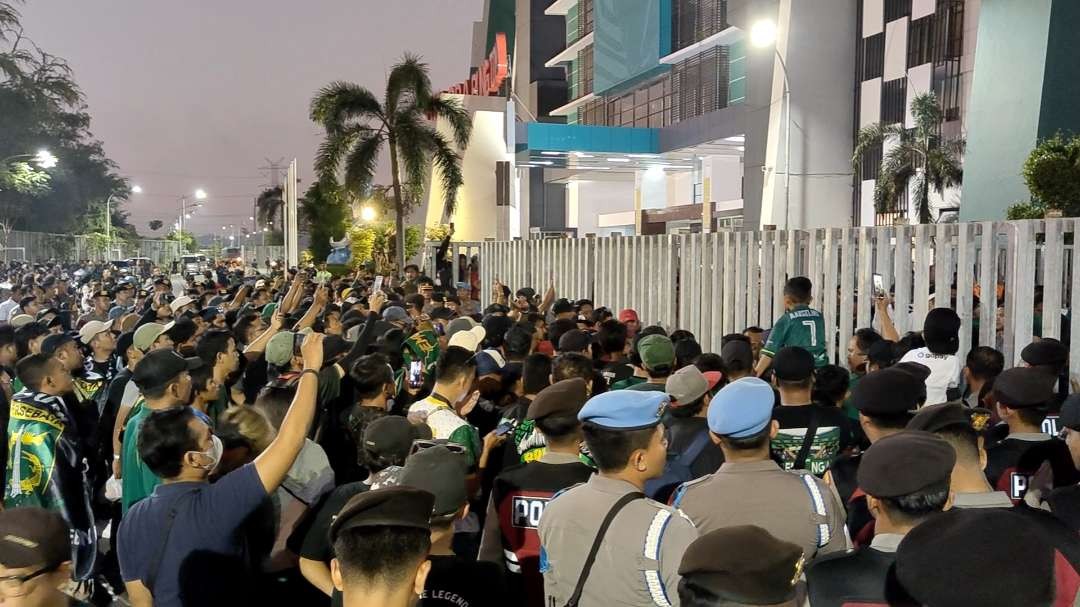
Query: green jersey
{"type": "Point", "coordinates": [801, 326]}
{"type": "Point", "coordinates": [137, 480]}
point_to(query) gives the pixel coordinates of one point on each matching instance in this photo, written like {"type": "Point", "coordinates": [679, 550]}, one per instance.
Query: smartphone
{"type": "Point", "coordinates": [416, 374]}
{"type": "Point", "coordinates": [378, 284]}
{"type": "Point", "coordinates": [879, 286]}
{"type": "Point", "coordinates": [504, 428]}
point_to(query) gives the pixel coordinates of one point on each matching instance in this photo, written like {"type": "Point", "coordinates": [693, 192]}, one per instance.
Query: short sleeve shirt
{"type": "Point", "coordinates": [206, 526]}
{"type": "Point", "coordinates": [801, 326]}
{"type": "Point", "coordinates": [445, 424]}
{"type": "Point", "coordinates": [137, 480]}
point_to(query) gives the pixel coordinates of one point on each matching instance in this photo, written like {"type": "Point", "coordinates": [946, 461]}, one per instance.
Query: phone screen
{"type": "Point", "coordinates": [879, 286]}
{"type": "Point", "coordinates": [378, 283]}
{"type": "Point", "coordinates": [504, 428]}
{"type": "Point", "coordinates": [416, 374]}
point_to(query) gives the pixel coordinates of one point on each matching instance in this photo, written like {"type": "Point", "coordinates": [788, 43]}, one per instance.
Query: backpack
{"type": "Point", "coordinates": [677, 469]}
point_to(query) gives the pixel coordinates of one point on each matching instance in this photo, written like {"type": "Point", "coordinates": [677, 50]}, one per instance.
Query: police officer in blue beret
{"type": "Point", "coordinates": [634, 544]}
{"type": "Point", "coordinates": [751, 489]}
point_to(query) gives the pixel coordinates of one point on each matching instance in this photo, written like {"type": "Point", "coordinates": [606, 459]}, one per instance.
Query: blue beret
{"type": "Point", "coordinates": [625, 409]}
{"type": "Point", "coordinates": [742, 408]}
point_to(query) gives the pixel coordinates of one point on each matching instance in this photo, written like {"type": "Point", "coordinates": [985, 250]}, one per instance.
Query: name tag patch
{"type": "Point", "coordinates": [527, 511]}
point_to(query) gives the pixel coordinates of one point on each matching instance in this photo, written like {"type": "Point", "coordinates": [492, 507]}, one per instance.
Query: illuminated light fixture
{"type": "Point", "coordinates": [618, 160]}
{"type": "Point", "coordinates": [583, 155]}
{"type": "Point", "coordinates": [545, 162]}
{"type": "Point", "coordinates": [741, 148]}
{"type": "Point", "coordinates": [200, 194]}
{"type": "Point", "coordinates": [45, 159]}
{"type": "Point", "coordinates": [735, 139]}
{"type": "Point", "coordinates": [673, 167]}
{"type": "Point", "coordinates": [763, 33]}
{"type": "Point", "coordinates": [367, 213]}
{"type": "Point", "coordinates": [135, 189]}
{"type": "Point", "coordinates": [553, 153]}
{"type": "Point", "coordinates": [642, 155]}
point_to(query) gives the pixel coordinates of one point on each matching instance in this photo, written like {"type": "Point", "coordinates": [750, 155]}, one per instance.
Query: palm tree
{"type": "Point", "coordinates": [269, 204]}
{"type": "Point", "coordinates": [920, 154]}
{"type": "Point", "coordinates": [357, 126]}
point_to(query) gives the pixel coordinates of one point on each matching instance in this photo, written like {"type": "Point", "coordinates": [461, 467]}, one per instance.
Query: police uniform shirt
{"type": "Point", "coordinates": [793, 506]}
{"type": "Point", "coordinates": [1011, 462]}
{"type": "Point", "coordinates": [638, 561]}
{"type": "Point", "coordinates": [858, 578]}
{"type": "Point", "coordinates": [518, 499]}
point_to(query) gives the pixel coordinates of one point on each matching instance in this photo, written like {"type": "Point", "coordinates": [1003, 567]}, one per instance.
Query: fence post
{"type": "Point", "coordinates": [1053, 261]}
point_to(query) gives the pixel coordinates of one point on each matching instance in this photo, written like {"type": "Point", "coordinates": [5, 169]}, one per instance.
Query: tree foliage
{"type": "Point", "coordinates": [155, 225]}
{"type": "Point", "coordinates": [41, 107]}
{"type": "Point", "coordinates": [325, 210]}
{"type": "Point", "coordinates": [270, 205]}
{"type": "Point", "coordinates": [186, 239]}
{"type": "Point", "coordinates": [358, 126]}
{"type": "Point", "coordinates": [375, 244]}
{"type": "Point", "coordinates": [917, 158]}
{"type": "Point", "coordinates": [1052, 174]}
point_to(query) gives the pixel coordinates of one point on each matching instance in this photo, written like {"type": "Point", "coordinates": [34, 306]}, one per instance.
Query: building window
{"type": "Point", "coordinates": [870, 166]}
{"type": "Point", "coordinates": [948, 48]}
{"type": "Point", "coordinates": [897, 9]}
{"type": "Point", "coordinates": [893, 100]}
{"type": "Point", "coordinates": [920, 41]}
{"type": "Point", "coordinates": [873, 56]}
{"type": "Point", "coordinates": [585, 18]}
{"type": "Point", "coordinates": [585, 72]}
{"type": "Point", "coordinates": [648, 106]}
{"type": "Point", "coordinates": [594, 113]}
{"type": "Point", "coordinates": [736, 73]}
{"type": "Point", "coordinates": [694, 20]}
{"type": "Point", "coordinates": [700, 84]}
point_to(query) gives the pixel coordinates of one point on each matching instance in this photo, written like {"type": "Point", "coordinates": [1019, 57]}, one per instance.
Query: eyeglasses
{"type": "Point", "coordinates": [422, 444]}
{"type": "Point", "coordinates": [15, 585]}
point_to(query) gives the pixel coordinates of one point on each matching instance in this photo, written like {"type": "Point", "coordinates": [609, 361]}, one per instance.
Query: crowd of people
{"type": "Point", "coordinates": [294, 437]}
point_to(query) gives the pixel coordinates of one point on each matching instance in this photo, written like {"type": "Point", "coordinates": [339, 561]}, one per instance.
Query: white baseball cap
{"type": "Point", "coordinates": [92, 328]}
{"type": "Point", "coordinates": [469, 339]}
{"type": "Point", "coordinates": [180, 302]}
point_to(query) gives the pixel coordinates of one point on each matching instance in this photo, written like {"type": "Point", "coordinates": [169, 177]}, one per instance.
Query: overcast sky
{"type": "Point", "coordinates": [199, 93]}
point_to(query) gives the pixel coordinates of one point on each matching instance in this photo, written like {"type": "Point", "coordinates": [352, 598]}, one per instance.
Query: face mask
{"type": "Point", "coordinates": [213, 454]}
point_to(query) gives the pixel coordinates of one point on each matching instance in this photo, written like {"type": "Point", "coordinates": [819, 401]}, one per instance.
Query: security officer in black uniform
{"type": "Point", "coordinates": [906, 479]}
{"type": "Point", "coordinates": [520, 494]}
{"type": "Point", "coordinates": [1052, 357]}
{"type": "Point", "coordinates": [763, 571]}
{"type": "Point", "coordinates": [1064, 502]}
{"type": "Point", "coordinates": [886, 400]}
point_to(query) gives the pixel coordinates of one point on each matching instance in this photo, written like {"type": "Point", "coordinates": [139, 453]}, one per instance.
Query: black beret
{"type": "Point", "coordinates": [917, 370]}
{"type": "Point", "coordinates": [934, 418]}
{"type": "Point", "coordinates": [889, 391]}
{"type": "Point", "coordinates": [793, 364]}
{"type": "Point", "coordinates": [904, 463]}
{"type": "Point", "coordinates": [1070, 412]}
{"type": "Point", "coordinates": [1024, 388]}
{"type": "Point", "coordinates": [565, 397]}
{"type": "Point", "coordinates": [1046, 351]}
{"type": "Point", "coordinates": [762, 571]}
{"type": "Point", "coordinates": [980, 549]}
{"type": "Point", "coordinates": [398, 506]}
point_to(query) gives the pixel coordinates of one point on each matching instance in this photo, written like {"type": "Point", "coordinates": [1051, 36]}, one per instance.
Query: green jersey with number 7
{"type": "Point", "coordinates": [800, 326]}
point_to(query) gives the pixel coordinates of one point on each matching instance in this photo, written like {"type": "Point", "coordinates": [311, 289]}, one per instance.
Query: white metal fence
{"type": "Point", "coordinates": [41, 246]}
{"type": "Point", "coordinates": [719, 283]}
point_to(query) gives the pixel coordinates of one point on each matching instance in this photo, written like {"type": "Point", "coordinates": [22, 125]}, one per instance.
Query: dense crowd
{"type": "Point", "coordinates": [292, 437]}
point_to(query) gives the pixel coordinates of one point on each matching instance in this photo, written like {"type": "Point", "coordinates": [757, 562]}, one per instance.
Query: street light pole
{"type": "Point", "coordinates": [787, 141]}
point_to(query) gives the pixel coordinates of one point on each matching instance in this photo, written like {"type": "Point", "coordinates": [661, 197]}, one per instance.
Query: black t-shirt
{"type": "Point", "coordinates": [832, 437]}
{"type": "Point", "coordinates": [458, 582]}
{"type": "Point", "coordinates": [683, 432]}
{"type": "Point", "coordinates": [313, 535]}
{"type": "Point", "coordinates": [616, 371]}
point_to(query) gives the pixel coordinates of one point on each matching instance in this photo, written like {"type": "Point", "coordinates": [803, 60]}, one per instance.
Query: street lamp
{"type": "Point", "coordinates": [199, 194]}
{"type": "Point", "coordinates": [135, 189]}
{"type": "Point", "coordinates": [763, 34]}
{"type": "Point", "coordinates": [367, 213]}
{"type": "Point", "coordinates": [45, 159]}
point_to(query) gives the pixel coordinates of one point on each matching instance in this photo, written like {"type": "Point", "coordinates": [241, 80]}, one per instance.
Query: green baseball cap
{"type": "Point", "coordinates": [656, 351]}
{"type": "Point", "coordinates": [268, 311]}
{"type": "Point", "coordinates": [146, 335]}
{"type": "Point", "coordinates": [279, 350]}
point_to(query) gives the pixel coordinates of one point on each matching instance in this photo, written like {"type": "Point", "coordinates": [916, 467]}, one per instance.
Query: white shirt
{"type": "Point", "coordinates": [944, 373]}
{"type": "Point", "coordinates": [6, 308]}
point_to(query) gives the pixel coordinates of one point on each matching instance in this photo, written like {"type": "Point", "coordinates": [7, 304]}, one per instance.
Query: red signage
{"type": "Point", "coordinates": [492, 73]}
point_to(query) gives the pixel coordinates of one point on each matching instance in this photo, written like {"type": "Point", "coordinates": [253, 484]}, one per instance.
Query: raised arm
{"type": "Point", "coordinates": [888, 329]}
{"type": "Point", "coordinates": [313, 312]}
{"type": "Point", "coordinates": [239, 298]}
{"type": "Point", "coordinates": [292, 297]}
{"type": "Point", "coordinates": [273, 464]}
{"type": "Point", "coordinates": [259, 344]}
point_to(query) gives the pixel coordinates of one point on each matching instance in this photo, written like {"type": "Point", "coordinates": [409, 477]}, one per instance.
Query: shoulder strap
{"type": "Point", "coordinates": [808, 438]}
{"type": "Point", "coordinates": [599, 539]}
{"type": "Point", "coordinates": [155, 564]}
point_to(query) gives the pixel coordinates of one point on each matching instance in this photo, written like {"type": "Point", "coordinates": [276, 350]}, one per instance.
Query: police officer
{"type": "Point", "coordinates": [906, 478]}
{"type": "Point", "coordinates": [392, 523]}
{"type": "Point", "coordinates": [520, 494]}
{"type": "Point", "coordinates": [1064, 502]}
{"type": "Point", "coordinates": [636, 543]}
{"type": "Point", "coordinates": [750, 488]}
{"type": "Point", "coordinates": [1023, 397]}
{"type": "Point", "coordinates": [763, 571]}
{"type": "Point", "coordinates": [885, 400]}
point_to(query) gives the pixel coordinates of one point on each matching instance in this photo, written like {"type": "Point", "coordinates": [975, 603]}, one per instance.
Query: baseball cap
{"type": "Point", "coordinates": [267, 311]}
{"type": "Point", "coordinates": [742, 408]}
{"type": "Point", "coordinates": [148, 333]}
{"type": "Point", "coordinates": [470, 339]}
{"type": "Point", "coordinates": [463, 323]}
{"type": "Point", "coordinates": [92, 328]}
{"type": "Point", "coordinates": [441, 472]}
{"type": "Point", "coordinates": [574, 340]}
{"type": "Point", "coordinates": [396, 314]}
{"type": "Point", "coordinates": [628, 315]}
{"type": "Point", "coordinates": [280, 348]}
{"type": "Point", "coordinates": [160, 367]}
{"type": "Point", "coordinates": [20, 320]}
{"type": "Point", "coordinates": [180, 302]}
{"type": "Point", "coordinates": [793, 364]}
{"type": "Point", "coordinates": [737, 353]}
{"type": "Point", "coordinates": [53, 343]}
{"type": "Point", "coordinates": [1070, 412]}
{"type": "Point", "coordinates": [688, 385]}
{"type": "Point", "coordinates": [489, 361]}
{"type": "Point", "coordinates": [33, 536]}
{"type": "Point", "coordinates": [656, 351]}
{"type": "Point", "coordinates": [395, 506]}
{"type": "Point", "coordinates": [391, 437]}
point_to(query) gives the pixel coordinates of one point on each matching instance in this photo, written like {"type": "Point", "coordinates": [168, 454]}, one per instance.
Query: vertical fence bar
{"type": "Point", "coordinates": [883, 262]}
{"type": "Point", "coordinates": [753, 278]}
{"type": "Point", "coordinates": [740, 282]}
{"type": "Point", "coordinates": [965, 279]}
{"type": "Point", "coordinates": [902, 274]}
{"type": "Point", "coordinates": [846, 316]}
{"type": "Point", "coordinates": [988, 284]}
{"type": "Point", "coordinates": [716, 301]}
{"type": "Point", "coordinates": [1022, 317]}
{"type": "Point", "coordinates": [865, 281]}
{"type": "Point", "coordinates": [1074, 302]}
{"type": "Point", "coordinates": [768, 268]}
{"type": "Point", "coordinates": [1053, 262]}
{"type": "Point", "coordinates": [729, 282]}
{"type": "Point", "coordinates": [921, 302]}
{"type": "Point", "coordinates": [779, 261]}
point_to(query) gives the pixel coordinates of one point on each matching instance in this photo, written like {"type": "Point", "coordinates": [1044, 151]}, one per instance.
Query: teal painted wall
{"type": "Point", "coordinates": [547, 136]}
{"type": "Point", "coordinates": [1061, 82]}
{"type": "Point", "coordinates": [1004, 110]}
{"type": "Point", "coordinates": [630, 38]}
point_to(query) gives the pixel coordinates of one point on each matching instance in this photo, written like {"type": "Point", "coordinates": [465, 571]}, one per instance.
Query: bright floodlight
{"type": "Point", "coordinates": [763, 33]}
{"type": "Point", "coordinates": [45, 159]}
{"type": "Point", "coordinates": [367, 213]}
{"type": "Point", "coordinates": [200, 194]}
{"type": "Point", "coordinates": [136, 189]}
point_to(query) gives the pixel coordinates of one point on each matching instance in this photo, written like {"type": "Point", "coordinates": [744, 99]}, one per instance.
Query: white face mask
{"type": "Point", "coordinates": [213, 454]}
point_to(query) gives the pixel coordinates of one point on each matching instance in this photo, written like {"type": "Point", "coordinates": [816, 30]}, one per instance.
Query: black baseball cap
{"type": "Point", "coordinates": [53, 343]}
{"type": "Point", "coordinates": [574, 340]}
{"type": "Point", "coordinates": [390, 506]}
{"type": "Point", "coordinates": [32, 537]}
{"type": "Point", "coordinates": [391, 437]}
{"type": "Point", "coordinates": [562, 306]}
{"type": "Point", "coordinates": [441, 472]}
{"type": "Point", "coordinates": [793, 364]}
{"type": "Point", "coordinates": [160, 367]}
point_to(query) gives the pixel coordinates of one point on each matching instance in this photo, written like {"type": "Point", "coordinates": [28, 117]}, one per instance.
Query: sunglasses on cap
{"type": "Point", "coordinates": [421, 444]}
